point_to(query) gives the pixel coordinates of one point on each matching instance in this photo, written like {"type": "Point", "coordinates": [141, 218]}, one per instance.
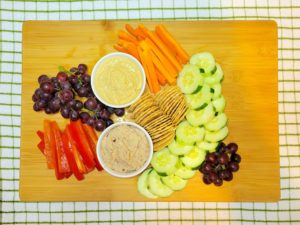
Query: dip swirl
{"type": "Point", "coordinates": [118, 80]}
{"type": "Point", "coordinates": [124, 148]}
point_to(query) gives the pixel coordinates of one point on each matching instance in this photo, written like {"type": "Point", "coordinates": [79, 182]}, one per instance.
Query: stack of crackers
{"type": "Point", "coordinates": [160, 114]}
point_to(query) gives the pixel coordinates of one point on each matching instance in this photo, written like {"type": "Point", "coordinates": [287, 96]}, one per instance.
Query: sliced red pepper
{"type": "Point", "coordinates": [62, 162]}
{"type": "Point", "coordinates": [92, 139]}
{"type": "Point", "coordinates": [49, 144]}
{"type": "Point", "coordinates": [82, 143]}
{"type": "Point", "coordinates": [77, 156]}
{"type": "Point", "coordinates": [41, 144]}
{"type": "Point", "coordinates": [51, 153]}
{"type": "Point", "coordinates": [70, 157]}
{"type": "Point", "coordinates": [40, 134]}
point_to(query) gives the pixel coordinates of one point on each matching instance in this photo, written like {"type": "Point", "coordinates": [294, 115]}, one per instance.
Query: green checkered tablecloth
{"type": "Point", "coordinates": [287, 15]}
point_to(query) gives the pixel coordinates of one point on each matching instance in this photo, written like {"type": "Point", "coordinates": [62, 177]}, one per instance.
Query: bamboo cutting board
{"type": "Point", "coordinates": [247, 52]}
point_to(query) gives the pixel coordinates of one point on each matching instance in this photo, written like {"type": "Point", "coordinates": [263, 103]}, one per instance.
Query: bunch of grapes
{"type": "Point", "coordinates": [219, 166]}
{"type": "Point", "coordinates": [58, 94]}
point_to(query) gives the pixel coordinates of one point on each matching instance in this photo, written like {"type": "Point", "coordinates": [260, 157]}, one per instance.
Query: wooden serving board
{"type": "Point", "coordinates": [247, 52]}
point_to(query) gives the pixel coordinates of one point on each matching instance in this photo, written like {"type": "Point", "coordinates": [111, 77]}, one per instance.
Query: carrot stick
{"type": "Point", "coordinates": [130, 29]}
{"type": "Point", "coordinates": [140, 34]}
{"type": "Point", "coordinates": [130, 48]}
{"type": "Point", "coordinates": [120, 48]}
{"type": "Point", "coordinates": [166, 37]}
{"type": "Point", "coordinates": [140, 51]}
{"type": "Point", "coordinates": [161, 57]}
{"type": "Point", "coordinates": [151, 70]}
{"type": "Point", "coordinates": [160, 67]}
{"type": "Point", "coordinates": [161, 79]}
{"type": "Point", "coordinates": [125, 36]}
{"type": "Point", "coordinates": [165, 50]}
{"type": "Point", "coordinates": [143, 29]}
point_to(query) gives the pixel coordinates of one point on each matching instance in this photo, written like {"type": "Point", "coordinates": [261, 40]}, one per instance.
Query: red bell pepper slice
{"type": "Point", "coordinates": [41, 144]}
{"type": "Point", "coordinates": [62, 162]}
{"type": "Point", "coordinates": [50, 151]}
{"type": "Point", "coordinates": [77, 156]}
{"type": "Point", "coordinates": [70, 156]}
{"type": "Point", "coordinates": [92, 139]}
{"type": "Point", "coordinates": [82, 143]}
{"type": "Point", "coordinates": [49, 144]}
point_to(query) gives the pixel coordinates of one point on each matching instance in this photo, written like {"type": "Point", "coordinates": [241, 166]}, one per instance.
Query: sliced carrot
{"type": "Point", "coordinates": [143, 61]}
{"type": "Point", "coordinates": [161, 57]}
{"type": "Point", "coordinates": [166, 37]}
{"type": "Point", "coordinates": [120, 48]}
{"type": "Point", "coordinates": [130, 29]}
{"type": "Point", "coordinates": [152, 74]}
{"type": "Point", "coordinates": [143, 29]}
{"type": "Point", "coordinates": [161, 79]}
{"type": "Point", "coordinates": [160, 67]}
{"type": "Point", "coordinates": [140, 34]}
{"type": "Point", "coordinates": [165, 50]}
{"type": "Point", "coordinates": [125, 36]}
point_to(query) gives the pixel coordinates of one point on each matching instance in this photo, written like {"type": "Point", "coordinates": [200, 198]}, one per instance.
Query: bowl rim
{"type": "Point", "coordinates": [110, 55]}
{"type": "Point", "coordinates": [116, 173]}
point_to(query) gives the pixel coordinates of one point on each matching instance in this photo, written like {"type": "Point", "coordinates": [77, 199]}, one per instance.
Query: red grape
{"type": "Point", "coordinates": [90, 104]}
{"type": "Point", "coordinates": [223, 158]}
{"type": "Point", "coordinates": [47, 87]}
{"type": "Point", "coordinates": [119, 112]}
{"type": "Point", "coordinates": [109, 122]}
{"type": "Point", "coordinates": [100, 125]}
{"type": "Point", "coordinates": [233, 166]}
{"type": "Point", "coordinates": [236, 158]}
{"type": "Point", "coordinates": [42, 78]}
{"type": "Point", "coordinates": [232, 147]}
{"type": "Point", "coordinates": [61, 76]}
{"type": "Point", "coordinates": [82, 68]}
{"type": "Point", "coordinates": [211, 157]}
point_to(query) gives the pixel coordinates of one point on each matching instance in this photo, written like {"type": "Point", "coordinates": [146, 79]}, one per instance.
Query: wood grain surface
{"type": "Point", "coordinates": [247, 52]}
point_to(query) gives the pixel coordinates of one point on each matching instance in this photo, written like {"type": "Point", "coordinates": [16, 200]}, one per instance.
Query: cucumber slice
{"type": "Point", "coordinates": [217, 91]}
{"type": "Point", "coordinates": [215, 136]}
{"type": "Point", "coordinates": [189, 79]}
{"type": "Point", "coordinates": [174, 182]}
{"type": "Point", "coordinates": [188, 134]}
{"type": "Point", "coordinates": [205, 61]}
{"type": "Point", "coordinates": [184, 172]}
{"type": "Point", "coordinates": [180, 148]}
{"type": "Point", "coordinates": [201, 117]}
{"type": "Point", "coordinates": [202, 97]}
{"type": "Point", "coordinates": [156, 186]}
{"type": "Point", "coordinates": [143, 184]}
{"type": "Point", "coordinates": [217, 122]}
{"type": "Point", "coordinates": [216, 77]}
{"type": "Point", "coordinates": [206, 146]}
{"type": "Point", "coordinates": [219, 104]}
{"type": "Point", "coordinates": [194, 158]}
{"type": "Point", "coordinates": [164, 162]}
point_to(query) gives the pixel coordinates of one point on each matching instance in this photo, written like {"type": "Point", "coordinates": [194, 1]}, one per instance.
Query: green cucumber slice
{"type": "Point", "coordinates": [178, 148]}
{"type": "Point", "coordinates": [202, 97]}
{"type": "Point", "coordinates": [217, 91]}
{"type": "Point", "coordinates": [194, 158]}
{"type": "Point", "coordinates": [164, 161]}
{"type": "Point", "coordinates": [201, 117]}
{"type": "Point", "coordinates": [207, 146]}
{"type": "Point", "coordinates": [143, 184]}
{"type": "Point", "coordinates": [219, 104]}
{"type": "Point", "coordinates": [204, 61]}
{"type": "Point", "coordinates": [156, 186]}
{"type": "Point", "coordinates": [183, 171]}
{"type": "Point", "coordinates": [216, 77]}
{"type": "Point", "coordinates": [217, 122]}
{"type": "Point", "coordinates": [189, 79]}
{"type": "Point", "coordinates": [216, 136]}
{"type": "Point", "coordinates": [174, 182]}
{"type": "Point", "coordinates": [185, 133]}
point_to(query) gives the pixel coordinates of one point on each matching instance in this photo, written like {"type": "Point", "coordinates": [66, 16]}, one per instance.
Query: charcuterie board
{"type": "Point", "coordinates": [247, 52]}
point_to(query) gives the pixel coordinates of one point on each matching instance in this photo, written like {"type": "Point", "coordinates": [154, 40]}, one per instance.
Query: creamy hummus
{"type": "Point", "coordinates": [118, 80]}
{"type": "Point", "coordinates": [124, 148]}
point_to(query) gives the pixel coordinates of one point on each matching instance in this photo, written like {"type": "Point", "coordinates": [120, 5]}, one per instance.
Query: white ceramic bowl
{"type": "Point", "coordinates": [120, 174]}
{"type": "Point", "coordinates": [110, 56]}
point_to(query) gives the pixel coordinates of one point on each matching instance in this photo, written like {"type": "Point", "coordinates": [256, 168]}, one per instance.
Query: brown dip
{"type": "Point", "coordinates": [124, 148]}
